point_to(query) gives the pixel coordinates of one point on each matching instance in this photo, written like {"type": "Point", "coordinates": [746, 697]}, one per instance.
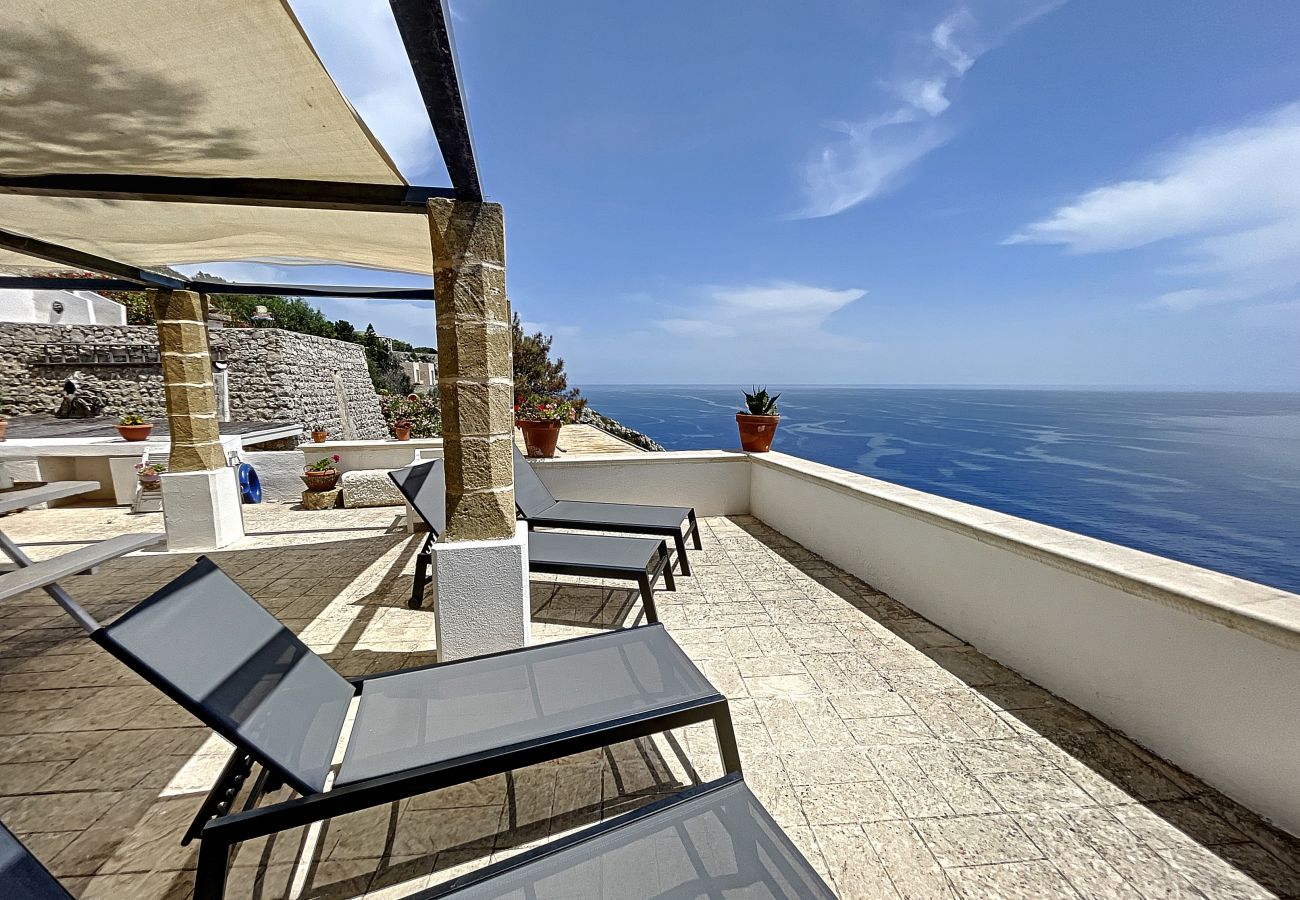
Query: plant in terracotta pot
{"type": "Point", "coordinates": [150, 475]}
{"type": "Point", "coordinates": [540, 419]}
{"type": "Point", "coordinates": [758, 423]}
{"type": "Point", "coordinates": [134, 427]}
{"type": "Point", "coordinates": [321, 475]}
{"type": "Point", "coordinates": [402, 429]}
{"type": "Point", "coordinates": [319, 434]}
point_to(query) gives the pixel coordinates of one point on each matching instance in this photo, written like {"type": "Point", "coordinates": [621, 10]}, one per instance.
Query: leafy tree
{"type": "Point", "coordinates": [345, 331]}
{"type": "Point", "coordinates": [289, 313]}
{"type": "Point", "coordinates": [536, 374]}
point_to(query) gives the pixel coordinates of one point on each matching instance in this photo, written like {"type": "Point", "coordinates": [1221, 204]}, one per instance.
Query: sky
{"type": "Point", "coordinates": [1019, 192]}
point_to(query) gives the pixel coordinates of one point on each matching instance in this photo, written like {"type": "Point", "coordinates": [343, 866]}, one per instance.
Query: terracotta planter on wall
{"type": "Point", "coordinates": [756, 432]}
{"type": "Point", "coordinates": [318, 437]}
{"type": "Point", "coordinates": [135, 432]}
{"type": "Point", "coordinates": [540, 437]}
{"type": "Point", "coordinates": [4, 425]}
{"type": "Point", "coordinates": [321, 481]}
{"type": "Point", "coordinates": [403, 432]}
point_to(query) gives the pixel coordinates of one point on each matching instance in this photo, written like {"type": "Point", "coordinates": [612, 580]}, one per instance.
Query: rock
{"type": "Point", "coordinates": [618, 429]}
{"type": "Point", "coordinates": [370, 487]}
{"type": "Point", "coordinates": [321, 499]}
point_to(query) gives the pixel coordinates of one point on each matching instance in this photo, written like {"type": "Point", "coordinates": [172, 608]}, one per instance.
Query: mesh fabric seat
{"type": "Point", "coordinates": [539, 507]}
{"type": "Point", "coordinates": [558, 553]}
{"type": "Point", "coordinates": [716, 841]}
{"type": "Point", "coordinates": [212, 648]}
{"type": "Point", "coordinates": [22, 875]}
{"type": "Point", "coordinates": [426, 716]}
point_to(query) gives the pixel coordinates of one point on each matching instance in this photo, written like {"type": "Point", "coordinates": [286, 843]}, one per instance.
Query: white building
{"type": "Point", "coordinates": [422, 371]}
{"type": "Point", "coordinates": [60, 308]}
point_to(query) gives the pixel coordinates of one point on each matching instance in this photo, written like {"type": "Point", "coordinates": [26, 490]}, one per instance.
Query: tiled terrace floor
{"type": "Point", "coordinates": [905, 763]}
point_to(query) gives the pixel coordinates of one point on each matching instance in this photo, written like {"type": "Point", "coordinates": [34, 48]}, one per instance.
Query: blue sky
{"type": "Point", "coordinates": [993, 192]}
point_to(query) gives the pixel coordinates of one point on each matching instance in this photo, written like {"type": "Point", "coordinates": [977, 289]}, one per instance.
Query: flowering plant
{"type": "Point", "coordinates": [536, 408]}
{"type": "Point", "coordinates": [151, 469]}
{"type": "Point", "coordinates": [322, 465]}
{"type": "Point", "coordinates": [133, 418]}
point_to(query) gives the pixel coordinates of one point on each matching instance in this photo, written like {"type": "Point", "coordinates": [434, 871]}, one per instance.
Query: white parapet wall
{"type": "Point", "coordinates": [1200, 667]}
{"type": "Point", "coordinates": [715, 482]}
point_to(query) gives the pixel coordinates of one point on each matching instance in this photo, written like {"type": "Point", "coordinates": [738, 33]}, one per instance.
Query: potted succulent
{"type": "Point", "coordinates": [319, 434]}
{"type": "Point", "coordinates": [402, 429]}
{"type": "Point", "coordinates": [321, 475]}
{"type": "Point", "coordinates": [134, 427]}
{"type": "Point", "coordinates": [540, 419]}
{"type": "Point", "coordinates": [150, 475]}
{"type": "Point", "coordinates": [758, 423]}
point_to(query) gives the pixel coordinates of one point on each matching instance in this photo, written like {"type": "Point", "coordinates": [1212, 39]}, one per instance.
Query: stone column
{"type": "Point", "coordinates": [480, 566]}
{"type": "Point", "coordinates": [201, 504]}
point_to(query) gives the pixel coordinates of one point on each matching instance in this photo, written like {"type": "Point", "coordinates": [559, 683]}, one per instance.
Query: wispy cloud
{"type": "Point", "coordinates": [774, 315]}
{"type": "Point", "coordinates": [875, 152]}
{"type": "Point", "coordinates": [1227, 203]}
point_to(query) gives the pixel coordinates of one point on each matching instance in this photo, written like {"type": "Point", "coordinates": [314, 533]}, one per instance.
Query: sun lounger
{"type": "Point", "coordinates": [22, 875]}
{"type": "Point", "coordinates": [643, 560]}
{"type": "Point", "coordinates": [540, 509]}
{"type": "Point", "coordinates": [715, 840]}
{"type": "Point", "coordinates": [216, 652]}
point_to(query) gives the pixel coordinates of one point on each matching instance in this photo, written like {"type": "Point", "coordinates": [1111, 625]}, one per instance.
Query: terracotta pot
{"type": "Point", "coordinates": [319, 436]}
{"type": "Point", "coordinates": [151, 482]}
{"type": "Point", "coordinates": [756, 432]}
{"type": "Point", "coordinates": [540, 437]}
{"type": "Point", "coordinates": [320, 481]}
{"type": "Point", "coordinates": [403, 432]}
{"type": "Point", "coordinates": [135, 432]}
{"type": "Point", "coordinates": [4, 426]}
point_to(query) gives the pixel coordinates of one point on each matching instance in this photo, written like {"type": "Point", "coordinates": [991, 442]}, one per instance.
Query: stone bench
{"type": "Point", "coordinates": [369, 487]}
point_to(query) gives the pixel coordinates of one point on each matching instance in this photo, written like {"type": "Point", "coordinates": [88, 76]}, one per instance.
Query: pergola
{"type": "Point", "coordinates": [137, 135]}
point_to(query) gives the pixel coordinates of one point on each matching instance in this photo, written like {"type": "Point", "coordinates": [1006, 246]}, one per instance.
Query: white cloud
{"type": "Point", "coordinates": [876, 152]}
{"type": "Point", "coordinates": [782, 314]}
{"type": "Point", "coordinates": [1227, 204]}
{"type": "Point", "coordinates": [555, 331]}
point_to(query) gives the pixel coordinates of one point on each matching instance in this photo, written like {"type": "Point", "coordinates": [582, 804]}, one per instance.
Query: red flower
{"type": "Point", "coordinates": [335, 457]}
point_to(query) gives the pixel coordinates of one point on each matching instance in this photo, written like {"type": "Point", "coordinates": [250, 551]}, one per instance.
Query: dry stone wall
{"type": "Point", "coordinates": [271, 374]}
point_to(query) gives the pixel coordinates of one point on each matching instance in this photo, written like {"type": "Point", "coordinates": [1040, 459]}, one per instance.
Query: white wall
{"type": "Point", "coordinates": [79, 308]}
{"type": "Point", "coordinates": [715, 482]}
{"type": "Point", "coordinates": [1199, 667]}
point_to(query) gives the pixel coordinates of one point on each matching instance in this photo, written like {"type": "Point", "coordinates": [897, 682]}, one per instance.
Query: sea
{"type": "Point", "coordinates": [1208, 478]}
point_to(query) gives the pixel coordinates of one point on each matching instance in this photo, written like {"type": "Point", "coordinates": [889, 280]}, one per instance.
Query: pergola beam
{"type": "Point", "coordinates": [52, 283]}
{"type": "Point", "coordinates": [79, 259]}
{"type": "Point", "coordinates": [429, 45]}
{"type": "Point", "coordinates": [285, 193]}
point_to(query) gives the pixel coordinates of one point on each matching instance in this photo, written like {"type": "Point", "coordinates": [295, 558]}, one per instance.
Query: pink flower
{"type": "Point", "coordinates": [335, 457]}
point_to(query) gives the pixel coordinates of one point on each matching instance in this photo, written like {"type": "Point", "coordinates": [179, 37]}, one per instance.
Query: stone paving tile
{"type": "Point", "coordinates": [903, 762]}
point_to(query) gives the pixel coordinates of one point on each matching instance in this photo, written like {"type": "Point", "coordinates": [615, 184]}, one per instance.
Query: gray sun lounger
{"type": "Point", "coordinates": [539, 508]}
{"type": "Point", "coordinates": [22, 876]}
{"type": "Point", "coordinates": [210, 647]}
{"type": "Point", "coordinates": [643, 560]}
{"type": "Point", "coordinates": [715, 840]}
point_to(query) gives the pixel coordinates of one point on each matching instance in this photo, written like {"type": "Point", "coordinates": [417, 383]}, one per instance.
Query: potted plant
{"type": "Point", "coordinates": [402, 429]}
{"type": "Point", "coordinates": [150, 475]}
{"type": "Point", "coordinates": [758, 424]}
{"type": "Point", "coordinates": [540, 419]}
{"type": "Point", "coordinates": [4, 416]}
{"type": "Point", "coordinates": [321, 475]}
{"type": "Point", "coordinates": [319, 434]}
{"type": "Point", "coordinates": [134, 427]}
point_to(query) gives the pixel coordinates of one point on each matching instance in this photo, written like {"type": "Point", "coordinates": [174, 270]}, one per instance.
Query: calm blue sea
{"type": "Point", "coordinates": [1208, 478]}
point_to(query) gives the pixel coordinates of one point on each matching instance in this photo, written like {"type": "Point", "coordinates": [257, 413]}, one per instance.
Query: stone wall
{"type": "Point", "coordinates": [271, 375]}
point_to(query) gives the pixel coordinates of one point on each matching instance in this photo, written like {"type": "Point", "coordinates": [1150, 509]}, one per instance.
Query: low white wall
{"type": "Point", "coordinates": [715, 482]}
{"type": "Point", "coordinates": [386, 455]}
{"type": "Point", "coordinates": [1197, 666]}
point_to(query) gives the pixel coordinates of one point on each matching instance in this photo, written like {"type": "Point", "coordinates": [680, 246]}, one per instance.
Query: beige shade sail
{"type": "Point", "coordinates": [200, 88]}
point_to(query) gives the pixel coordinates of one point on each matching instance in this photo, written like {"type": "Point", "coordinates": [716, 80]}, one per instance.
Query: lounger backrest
{"type": "Point", "coordinates": [425, 487]}
{"type": "Point", "coordinates": [22, 875]}
{"type": "Point", "coordinates": [531, 496]}
{"type": "Point", "coordinates": [213, 649]}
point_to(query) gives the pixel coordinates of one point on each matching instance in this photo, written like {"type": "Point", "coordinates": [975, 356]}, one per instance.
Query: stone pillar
{"type": "Point", "coordinates": [480, 564]}
{"type": "Point", "coordinates": [201, 504]}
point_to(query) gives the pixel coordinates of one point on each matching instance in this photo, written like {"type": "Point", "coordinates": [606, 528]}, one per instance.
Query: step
{"type": "Point", "coordinates": [55, 490]}
{"type": "Point", "coordinates": [48, 571]}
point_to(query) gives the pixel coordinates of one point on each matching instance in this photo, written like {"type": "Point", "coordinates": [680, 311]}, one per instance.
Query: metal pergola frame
{"type": "Point", "coordinates": [426, 34]}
